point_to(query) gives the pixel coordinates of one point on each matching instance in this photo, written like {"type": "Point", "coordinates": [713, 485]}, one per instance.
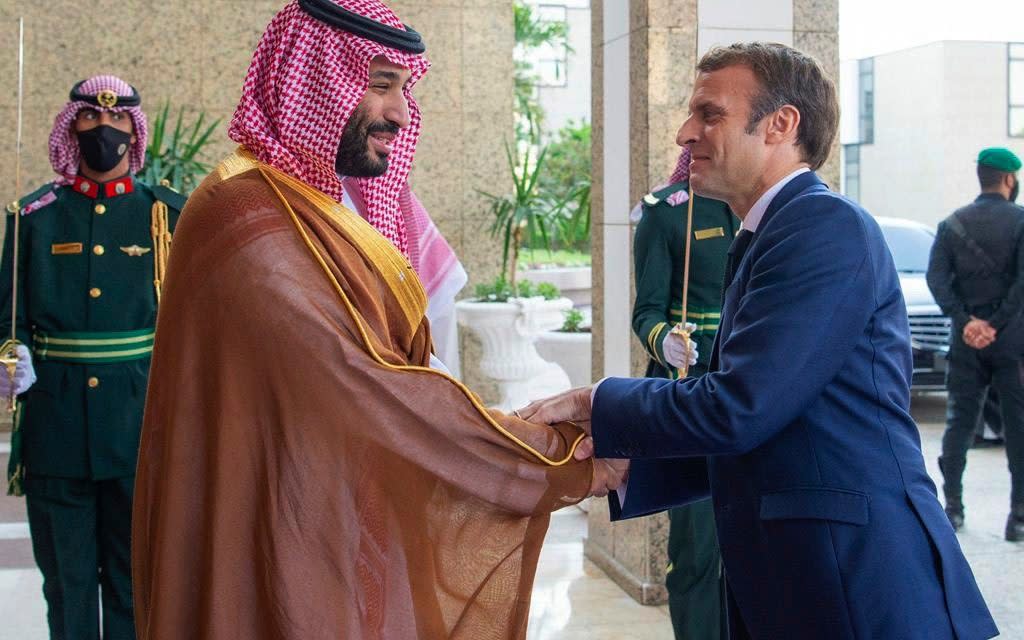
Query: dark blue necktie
{"type": "Point", "coordinates": [736, 251]}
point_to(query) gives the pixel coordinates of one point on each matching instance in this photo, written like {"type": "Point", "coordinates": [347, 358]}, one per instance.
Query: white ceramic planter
{"type": "Point", "coordinates": [571, 351]}
{"type": "Point", "coordinates": [508, 331]}
{"type": "Point", "coordinates": [573, 282]}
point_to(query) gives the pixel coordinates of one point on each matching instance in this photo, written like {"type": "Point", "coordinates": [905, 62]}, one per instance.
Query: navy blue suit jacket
{"type": "Point", "coordinates": [828, 522]}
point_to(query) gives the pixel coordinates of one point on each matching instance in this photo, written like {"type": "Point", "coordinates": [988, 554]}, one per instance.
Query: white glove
{"type": "Point", "coordinates": [676, 348]}
{"type": "Point", "coordinates": [24, 374]}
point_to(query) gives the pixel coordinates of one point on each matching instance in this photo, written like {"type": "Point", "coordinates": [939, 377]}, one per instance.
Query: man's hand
{"type": "Point", "coordinates": [24, 374]}
{"type": "Point", "coordinates": [978, 333]}
{"type": "Point", "coordinates": [570, 406]}
{"type": "Point", "coordinates": [680, 352]}
{"type": "Point", "coordinates": [609, 474]}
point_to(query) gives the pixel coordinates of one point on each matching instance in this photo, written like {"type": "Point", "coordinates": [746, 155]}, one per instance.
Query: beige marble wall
{"type": "Point", "coordinates": [196, 52]}
{"type": "Point", "coordinates": [816, 32]}
{"type": "Point", "coordinates": [191, 52]}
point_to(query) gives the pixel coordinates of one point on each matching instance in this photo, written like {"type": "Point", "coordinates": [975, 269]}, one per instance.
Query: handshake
{"type": "Point", "coordinates": [575, 406]}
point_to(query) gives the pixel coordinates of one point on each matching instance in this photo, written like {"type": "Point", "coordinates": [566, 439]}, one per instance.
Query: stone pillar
{"type": "Point", "coordinates": [645, 54]}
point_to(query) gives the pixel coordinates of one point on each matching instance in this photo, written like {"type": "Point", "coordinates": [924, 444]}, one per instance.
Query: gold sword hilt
{"type": "Point", "coordinates": [9, 358]}
{"type": "Point", "coordinates": [680, 330]}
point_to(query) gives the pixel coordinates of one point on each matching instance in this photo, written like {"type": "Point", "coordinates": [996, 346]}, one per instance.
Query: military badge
{"type": "Point", "coordinates": [106, 98]}
{"type": "Point", "coordinates": [136, 251]}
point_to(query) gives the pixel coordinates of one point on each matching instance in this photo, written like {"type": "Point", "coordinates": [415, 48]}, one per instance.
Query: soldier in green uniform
{"type": "Point", "coordinates": [694, 579]}
{"type": "Point", "coordinates": [91, 249]}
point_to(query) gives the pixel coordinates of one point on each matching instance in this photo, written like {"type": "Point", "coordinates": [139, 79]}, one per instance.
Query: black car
{"type": "Point", "coordinates": [911, 243]}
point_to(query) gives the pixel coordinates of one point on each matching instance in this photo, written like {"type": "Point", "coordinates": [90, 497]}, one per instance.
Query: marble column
{"type": "Point", "coordinates": [644, 56]}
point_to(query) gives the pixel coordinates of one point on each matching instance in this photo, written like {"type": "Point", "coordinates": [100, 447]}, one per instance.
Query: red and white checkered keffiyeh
{"type": "Point", "coordinates": [305, 81]}
{"type": "Point", "coordinates": [681, 174]}
{"type": "Point", "coordinates": [64, 154]}
{"type": "Point", "coordinates": [682, 170]}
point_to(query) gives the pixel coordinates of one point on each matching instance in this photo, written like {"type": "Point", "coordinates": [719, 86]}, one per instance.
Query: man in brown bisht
{"type": "Point", "coordinates": [304, 472]}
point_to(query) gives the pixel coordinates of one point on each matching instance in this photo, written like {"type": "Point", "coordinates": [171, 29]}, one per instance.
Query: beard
{"type": "Point", "coordinates": [355, 157]}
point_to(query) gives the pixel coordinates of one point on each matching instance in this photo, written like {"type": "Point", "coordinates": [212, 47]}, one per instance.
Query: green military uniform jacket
{"type": "Point", "coordinates": [659, 248]}
{"type": "Point", "coordinates": [87, 310]}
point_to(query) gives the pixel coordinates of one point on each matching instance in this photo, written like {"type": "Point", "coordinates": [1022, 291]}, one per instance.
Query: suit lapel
{"type": "Point", "coordinates": [804, 182]}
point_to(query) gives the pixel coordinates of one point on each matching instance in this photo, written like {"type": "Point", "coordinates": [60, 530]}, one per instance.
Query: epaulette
{"type": "Point", "coordinates": [164, 193]}
{"type": "Point", "coordinates": [34, 198]}
{"type": "Point", "coordinates": [663, 194]}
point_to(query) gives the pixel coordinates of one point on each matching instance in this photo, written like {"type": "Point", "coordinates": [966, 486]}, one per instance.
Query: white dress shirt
{"type": "Point", "coordinates": [753, 218]}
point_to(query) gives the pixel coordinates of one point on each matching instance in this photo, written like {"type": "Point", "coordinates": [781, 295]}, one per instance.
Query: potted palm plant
{"type": "Point", "coordinates": [509, 314]}
{"type": "Point", "coordinates": [174, 156]}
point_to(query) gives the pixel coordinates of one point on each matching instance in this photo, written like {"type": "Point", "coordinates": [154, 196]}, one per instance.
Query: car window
{"type": "Point", "coordinates": [910, 247]}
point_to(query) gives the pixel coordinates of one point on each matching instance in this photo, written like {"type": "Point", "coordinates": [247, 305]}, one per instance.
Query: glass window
{"type": "Point", "coordinates": [866, 100]}
{"type": "Point", "coordinates": [910, 247]}
{"type": "Point", "coordinates": [552, 58]}
{"type": "Point", "coordinates": [851, 159]}
{"type": "Point", "coordinates": [1017, 82]}
{"type": "Point", "coordinates": [1017, 122]}
{"type": "Point", "coordinates": [1015, 89]}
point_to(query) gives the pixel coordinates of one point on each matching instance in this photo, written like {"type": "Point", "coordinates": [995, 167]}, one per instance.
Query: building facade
{"type": "Point", "coordinates": [914, 121]}
{"type": "Point", "coordinates": [563, 90]}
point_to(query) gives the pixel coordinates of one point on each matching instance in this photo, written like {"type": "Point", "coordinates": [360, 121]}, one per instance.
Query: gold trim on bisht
{"type": "Point", "coordinates": [386, 257]}
{"type": "Point", "coordinates": [396, 270]}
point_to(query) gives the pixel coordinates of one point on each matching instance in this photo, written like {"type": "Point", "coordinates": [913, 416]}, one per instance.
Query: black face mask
{"type": "Point", "coordinates": [1015, 191]}
{"type": "Point", "coordinates": [103, 147]}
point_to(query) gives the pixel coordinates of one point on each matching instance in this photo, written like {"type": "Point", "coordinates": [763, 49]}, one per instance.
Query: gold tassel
{"type": "Point", "coordinates": [161, 232]}
{"type": "Point", "coordinates": [15, 484]}
{"type": "Point", "coordinates": [16, 479]}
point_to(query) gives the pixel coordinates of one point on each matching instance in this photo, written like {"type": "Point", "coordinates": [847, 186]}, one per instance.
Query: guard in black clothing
{"type": "Point", "coordinates": [976, 274]}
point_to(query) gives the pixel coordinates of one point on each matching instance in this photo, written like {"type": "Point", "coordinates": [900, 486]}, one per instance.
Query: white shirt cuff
{"type": "Point", "coordinates": [593, 390]}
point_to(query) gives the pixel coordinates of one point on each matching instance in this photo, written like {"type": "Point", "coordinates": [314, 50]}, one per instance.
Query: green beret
{"type": "Point", "coordinates": [999, 158]}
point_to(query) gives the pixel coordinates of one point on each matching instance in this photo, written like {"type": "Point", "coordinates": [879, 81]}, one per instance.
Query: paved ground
{"type": "Point", "coordinates": [573, 599]}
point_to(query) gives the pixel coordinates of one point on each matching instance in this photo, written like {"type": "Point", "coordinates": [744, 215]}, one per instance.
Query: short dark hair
{"type": "Point", "coordinates": [989, 177]}
{"type": "Point", "coordinates": [787, 76]}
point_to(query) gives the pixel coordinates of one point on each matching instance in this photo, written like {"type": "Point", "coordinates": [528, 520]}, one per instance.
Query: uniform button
{"type": "Point", "coordinates": [100, 209]}
{"type": "Point", "coordinates": [98, 249]}
{"type": "Point", "coordinates": [94, 382]}
{"type": "Point", "coordinates": [95, 292]}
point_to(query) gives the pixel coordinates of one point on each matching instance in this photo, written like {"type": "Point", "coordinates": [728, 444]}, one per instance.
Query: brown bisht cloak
{"type": "Point", "coordinates": [302, 473]}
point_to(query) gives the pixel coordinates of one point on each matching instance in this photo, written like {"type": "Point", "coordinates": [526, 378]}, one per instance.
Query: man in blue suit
{"type": "Point", "coordinates": [828, 523]}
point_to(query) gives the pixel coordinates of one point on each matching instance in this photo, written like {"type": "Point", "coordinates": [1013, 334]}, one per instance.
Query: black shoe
{"type": "Point", "coordinates": [955, 513]}
{"type": "Point", "coordinates": [1015, 525]}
